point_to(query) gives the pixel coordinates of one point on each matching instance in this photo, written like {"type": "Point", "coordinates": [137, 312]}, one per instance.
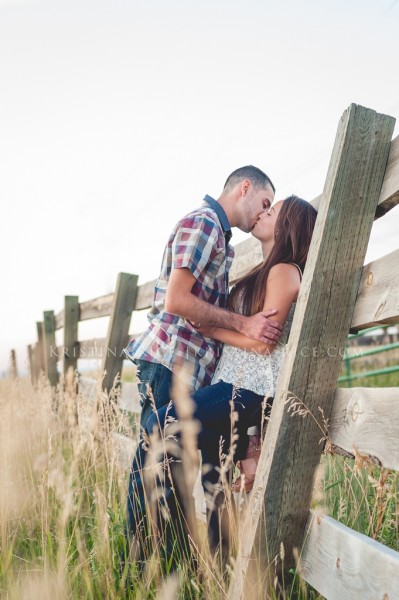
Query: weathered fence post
{"type": "Point", "coordinates": [32, 368]}
{"type": "Point", "coordinates": [118, 329]}
{"type": "Point", "coordinates": [13, 364]}
{"type": "Point", "coordinates": [39, 350]}
{"type": "Point", "coordinates": [71, 343]}
{"type": "Point", "coordinates": [292, 447]}
{"type": "Point", "coordinates": [49, 346]}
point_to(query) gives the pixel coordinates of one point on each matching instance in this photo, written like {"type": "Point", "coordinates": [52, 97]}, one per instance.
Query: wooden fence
{"type": "Point", "coordinates": [337, 295]}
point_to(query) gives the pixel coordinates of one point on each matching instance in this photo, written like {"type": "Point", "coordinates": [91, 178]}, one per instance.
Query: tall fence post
{"type": "Point", "coordinates": [39, 350]}
{"type": "Point", "coordinates": [13, 364]}
{"type": "Point", "coordinates": [292, 448]}
{"type": "Point", "coordinates": [31, 360]}
{"type": "Point", "coordinates": [118, 329]}
{"type": "Point", "coordinates": [71, 343]}
{"type": "Point", "coordinates": [50, 350]}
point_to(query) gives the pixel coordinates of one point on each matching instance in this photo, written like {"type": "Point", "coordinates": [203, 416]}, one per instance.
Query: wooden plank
{"type": "Point", "coordinates": [389, 195]}
{"type": "Point", "coordinates": [97, 307]}
{"type": "Point", "coordinates": [292, 448]}
{"type": "Point", "coordinates": [377, 300]}
{"type": "Point", "coordinates": [50, 349]}
{"type": "Point", "coordinates": [102, 306]}
{"type": "Point", "coordinates": [31, 359]}
{"type": "Point", "coordinates": [118, 329]}
{"type": "Point", "coordinates": [13, 364]}
{"type": "Point", "coordinates": [59, 320]}
{"type": "Point", "coordinates": [70, 351]}
{"type": "Point", "coordinates": [145, 295]}
{"type": "Point", "coordinates": [36, 360]}
{"type": "Point", "coordinates": [345, 565]}
{"type": "Point", "coordinates": [39, 351]}
{"type": "Point", "coordinates": [366, 420]}
{"type": "Point", "coordinates": [94, 348]}
{"type": "Point", "coordinates": [90, 309]}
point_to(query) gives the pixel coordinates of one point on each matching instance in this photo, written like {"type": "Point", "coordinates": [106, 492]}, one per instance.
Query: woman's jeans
{"type": "Point", "coordinates": [213, 407]}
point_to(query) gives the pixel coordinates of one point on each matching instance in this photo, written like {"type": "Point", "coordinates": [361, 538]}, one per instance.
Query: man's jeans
{"type": "Point", "coordinates": [154, 388]}
{"type": "Point", "coordinates": [158, 379]}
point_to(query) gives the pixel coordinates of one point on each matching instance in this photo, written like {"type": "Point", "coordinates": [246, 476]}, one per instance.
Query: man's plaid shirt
{"type": "Point", "coordinates": [198, 242]}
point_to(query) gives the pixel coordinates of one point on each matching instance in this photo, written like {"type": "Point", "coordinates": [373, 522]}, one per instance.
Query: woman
{"type": "Point", "coordinates": [248, 369]}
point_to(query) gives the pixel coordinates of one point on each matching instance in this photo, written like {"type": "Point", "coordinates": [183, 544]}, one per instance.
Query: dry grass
{"type": "Point", "coordinates": [62, 502]}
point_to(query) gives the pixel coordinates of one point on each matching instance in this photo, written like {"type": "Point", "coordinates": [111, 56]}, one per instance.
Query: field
{"type": "Point", "coordinates": [62, 504]}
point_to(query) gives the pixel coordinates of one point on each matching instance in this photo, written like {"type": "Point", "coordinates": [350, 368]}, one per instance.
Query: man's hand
{"type": "Point", "coordinates": [261, 327]}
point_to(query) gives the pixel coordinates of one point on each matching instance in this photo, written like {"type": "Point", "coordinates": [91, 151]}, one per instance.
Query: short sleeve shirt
{"type": "Point", "coordinates": [199, 242]}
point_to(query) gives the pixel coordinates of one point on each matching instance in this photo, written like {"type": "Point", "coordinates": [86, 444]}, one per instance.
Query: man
{"type": "Point", "coordinates": [192, 288]}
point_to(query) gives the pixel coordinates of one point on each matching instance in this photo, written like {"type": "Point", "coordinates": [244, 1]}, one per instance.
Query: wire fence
{"type": "Point", "coordinates": [350, 374]}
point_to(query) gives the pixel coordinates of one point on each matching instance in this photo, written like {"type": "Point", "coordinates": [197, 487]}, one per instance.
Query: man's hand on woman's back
{"type": "Point", "coordinates": [262, 327]}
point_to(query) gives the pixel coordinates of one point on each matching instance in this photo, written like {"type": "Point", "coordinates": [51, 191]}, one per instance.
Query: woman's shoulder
{"type": "Point", "coordinates": [286, 270]}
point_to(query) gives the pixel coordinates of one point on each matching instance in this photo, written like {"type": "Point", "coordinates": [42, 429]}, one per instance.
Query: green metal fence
{"type": "Point", "coordinates": [349, 376]}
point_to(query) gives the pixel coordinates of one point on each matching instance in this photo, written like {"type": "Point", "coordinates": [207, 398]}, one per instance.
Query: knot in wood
{"type": "Point", "coordinates": [379, 310]}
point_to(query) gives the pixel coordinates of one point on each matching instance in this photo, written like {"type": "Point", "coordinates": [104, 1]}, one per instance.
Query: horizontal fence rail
{"type": "Point", "coordinates": [341, 563]}
{"type": "Point", "coordinates": [366, 421]}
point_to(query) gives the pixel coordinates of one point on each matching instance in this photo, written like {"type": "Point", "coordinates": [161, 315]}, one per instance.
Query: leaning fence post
{"type": "Point", "coordinates": [280, 499]}
{"type": "Point", "coordinates": [71, 343]}
{"type": "Point", "coordinates": [118, 329]}
{"type": "Point", "coordinates": [50, 349]}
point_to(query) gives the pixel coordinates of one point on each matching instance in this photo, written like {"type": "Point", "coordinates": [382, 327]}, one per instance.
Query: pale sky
{"type": "Point", "coordinates": [116, 117]}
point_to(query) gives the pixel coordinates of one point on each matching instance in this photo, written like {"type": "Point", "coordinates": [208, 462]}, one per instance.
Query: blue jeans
{"type": "Point", "coordinates": [213, 406]}
{"type": "Point", "coordinates": [159, 379]}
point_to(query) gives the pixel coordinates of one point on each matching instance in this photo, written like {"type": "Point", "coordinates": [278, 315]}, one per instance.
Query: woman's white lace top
{"type": "Point", "coordinates": [253, 371]}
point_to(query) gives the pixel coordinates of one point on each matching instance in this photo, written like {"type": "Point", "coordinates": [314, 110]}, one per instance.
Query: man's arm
{"type": "Point", "coordinates": [282, 290]}
{"type": "Point", "coordinates": [181, 301]}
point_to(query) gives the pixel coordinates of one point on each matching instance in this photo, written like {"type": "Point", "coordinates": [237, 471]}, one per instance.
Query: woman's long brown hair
{"type": "Point", "coordinates": [292, 237]}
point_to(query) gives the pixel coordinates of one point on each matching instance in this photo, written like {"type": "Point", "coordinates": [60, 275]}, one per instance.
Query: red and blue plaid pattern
{"type": "Point", "coordinates": [198, 243]}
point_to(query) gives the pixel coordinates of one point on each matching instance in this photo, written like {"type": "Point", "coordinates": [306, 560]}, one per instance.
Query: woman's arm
{"type": "Point", "coordinates": [239, 340]}
{"type": "Point", "coordinates": [281, 290]}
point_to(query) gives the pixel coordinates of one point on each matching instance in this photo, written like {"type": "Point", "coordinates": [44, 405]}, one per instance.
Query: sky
{"type": "Point", "coordinates": [116, 118]}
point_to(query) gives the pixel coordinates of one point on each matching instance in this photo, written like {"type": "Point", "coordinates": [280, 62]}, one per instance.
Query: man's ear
{"type": "Point", "coordinates": [244, 187]}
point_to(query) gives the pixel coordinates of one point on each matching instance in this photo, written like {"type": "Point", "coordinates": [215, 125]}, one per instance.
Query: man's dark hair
{"type": "Point", "coordinates": [258, 178]}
